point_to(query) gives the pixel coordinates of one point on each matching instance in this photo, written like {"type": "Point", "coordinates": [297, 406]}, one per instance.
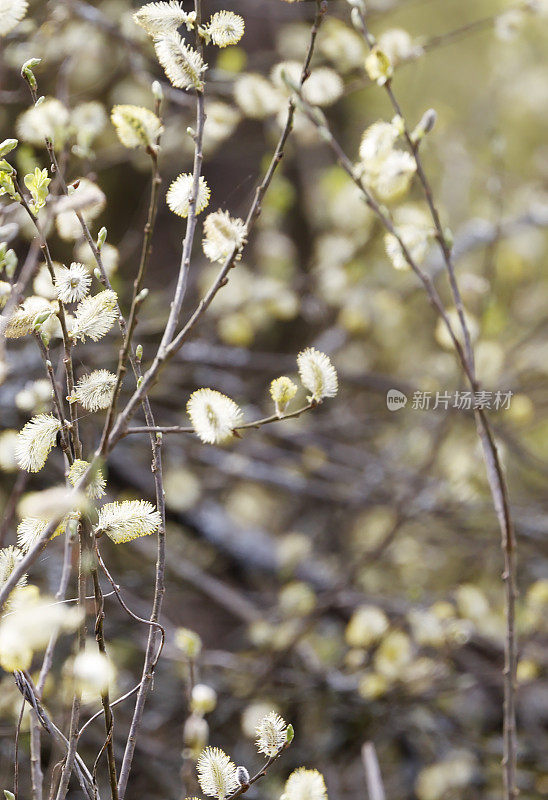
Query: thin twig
{"type": "Point", "coordinates": [105, 700]}
{"type": "Point", "coordinates": [156, 182]}
{"type": "Point", "coordinates": [375, 788]}
{"type": "Point", "coordinates": [245, 426]}
{"type": "Point", "coordinates": [35, 730]}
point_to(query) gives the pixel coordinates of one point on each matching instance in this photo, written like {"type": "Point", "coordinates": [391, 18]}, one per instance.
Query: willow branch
{"type": "Point", "coordinates": [151, 375]}
{"type": "Point", "coordinates": [35, 730]}
{"type": "Point", "coordinates": [258, 423]}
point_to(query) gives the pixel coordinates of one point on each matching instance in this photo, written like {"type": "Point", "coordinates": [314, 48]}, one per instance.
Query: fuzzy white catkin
{"type": "Point", "coordinates": [225, 28]}
{"type": "Point", "coordinates": [203, 699]}
{"type": "Point", "coordinates": [128, 520]}
{"type": "Point", "coordinates": [35, 441]}
{"type": "Point", "coordinates": [72, 284]}
{"type": "Point", "coordinates": [11, 14]}
{"type": "Point", "coordinates": [135, 126]}
{"type": "Point", "coordinates": [157, 19]}
{"type": "Point", "coordinates": [217, 774]}
{"type": "Point", "coordinates": [394, 177]}
{"type": "Point", "coordinates": [21, 322]}
{"type": "Point", "coordinates": [213, 415]}
{"type": "Point", "coordinates": [179, 194]}
{"type": "Point", "coordinates": [323, 87]}
{"type": "Point", "coordinates": [96, 486]}
{"type": "Point", "coordinates": [305, 784]}
{"type": "Point", "coordinates": [92, 671]}
{"type": "Point", "coordinates": [182, 64]}
{"type": "Point", "coordinates": [49, 119]}
{"type": "Point", "coordinates": [29, 531]}
{"type": "Point", "coordinates": [282, 391]}
{"type": "Point", "coordinates": [256, 96]}
{"type": "Point", "coordinates": [317, 374]}
{"type": "Point", "coordinates": [10, 556]}
{"type": "Point", "coordinates": [271, 734]}
{"type": "Point", "coordinates": [222, 233]}
{"type": "Point", "coordinates": [95, 391]}
{"type": "Point", "coordinates": [377, 142]}
{"type": "Point", "coordinates": [95, 316]}
{"type": "Point", "coordinates": [388, 171]}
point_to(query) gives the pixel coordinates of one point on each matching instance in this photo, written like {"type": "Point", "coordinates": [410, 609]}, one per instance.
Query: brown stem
{"type": "Point", "coordinates": [245, 426]}
{"type": "Point", "coordinates": [105, 700]}
{"type": "Point", "coordinates": [83, 549]}
{"type": "Point", "coordinates": [137, 286]}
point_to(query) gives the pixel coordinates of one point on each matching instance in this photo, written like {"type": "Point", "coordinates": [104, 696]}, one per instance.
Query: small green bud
{"type": "Point", "coordinates": [31, 63]}
{"type": "Point", "coordinates": [143, 294]}
{"type": "Point", "coordinates": [28, 74]}
{"type": "Point", "coordinates": [289, 734]}
{"type": "Point", "coordinates": [9, 795]}
{"type": "Point", "coordinates": [8, 260]}
{"type": "Point", "coordinates": [139, 382]}
{"type": "Point", "coordinates": [191, 132]}
{"type": "Point", "coordinates": [139, 352]}
{"type": "Point", "coordinates": [101, 238]}
{"type": "Point", "coordinates": [41, 318]}
{"type": "Point", "coordinates": [7, 146]}
{"type": "Point", "coordinates": [11, 263]}
{"type": "Point", "coordinates": [97, 273]}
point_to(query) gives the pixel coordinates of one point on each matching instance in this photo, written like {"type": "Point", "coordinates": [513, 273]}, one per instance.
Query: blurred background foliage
{"type": "Point", "coordinates": [343, 568]}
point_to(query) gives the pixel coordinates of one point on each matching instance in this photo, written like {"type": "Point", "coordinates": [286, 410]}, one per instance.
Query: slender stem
{"type": "Point", "coordinates": [68, 765]}
{"type": "Point", "coordinates": [35, 730]}
{"type": "Point", "coordinates": [57, 402]}
{"type": "Point", "coordinates": [16, 753]}
{"type": "Point", "coordinates": [159, 591]}
{"type": "Point", "coordinates": [184, 268]}
{"type": "Point", "coordinates": [245, 426]}
{"type": "Point", "coordinates": [156, 182]}
{"type": "Point", "coordinates": [105, 700]}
